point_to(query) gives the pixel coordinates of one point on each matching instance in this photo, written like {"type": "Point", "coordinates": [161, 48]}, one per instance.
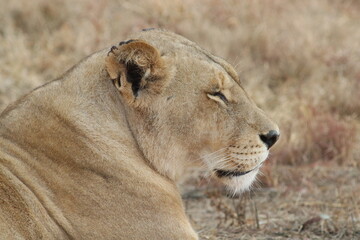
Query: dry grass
{"type": "Point", "coordinates": [300, 61]}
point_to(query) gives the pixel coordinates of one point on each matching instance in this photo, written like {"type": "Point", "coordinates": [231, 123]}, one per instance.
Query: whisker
{"type": "Point", "coordinates": [218, 162]}
{"type": "Point", "coordinates": [223, 160]}
{"type": "Point", "coordinates": [214, 159]}
{"type": "Point", "coordinates": [225, 165]}
{"type": "Point", "coordinates": [213, 153]}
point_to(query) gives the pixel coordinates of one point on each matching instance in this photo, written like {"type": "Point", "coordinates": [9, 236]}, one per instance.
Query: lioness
{"type": "Point", "coordinates": [95, 153]}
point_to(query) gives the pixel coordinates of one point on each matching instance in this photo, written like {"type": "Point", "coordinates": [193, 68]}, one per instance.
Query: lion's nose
{"type": "Point", "coordinates": [270, 138]}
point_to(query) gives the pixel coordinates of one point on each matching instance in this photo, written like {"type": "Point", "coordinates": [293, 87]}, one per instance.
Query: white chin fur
{"type": "Point", "coordinates": [240, 184]}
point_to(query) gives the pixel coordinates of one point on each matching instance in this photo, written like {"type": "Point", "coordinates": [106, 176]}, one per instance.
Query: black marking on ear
{"type": "Point", "coordinates": [116, 81]}
{"type": "Point", "coordinates": [133, 75]}
{"type": "Point", "coordinates": [126, 42]}
{"type": "Point", "coordinates": [112, 50]}
{"type": "Point", "coordinates": [147, 29]}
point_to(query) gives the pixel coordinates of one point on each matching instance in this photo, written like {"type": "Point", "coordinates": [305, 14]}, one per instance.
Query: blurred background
{"type": "Point", "coordinates": [300, 62]}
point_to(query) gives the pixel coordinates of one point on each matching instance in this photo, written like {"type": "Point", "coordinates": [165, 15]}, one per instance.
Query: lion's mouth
{"type": "Point", "coordinates": [225, 173]}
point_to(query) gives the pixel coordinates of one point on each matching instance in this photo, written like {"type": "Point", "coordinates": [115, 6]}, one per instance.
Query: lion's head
{"type": "Point", "coordinates": [187, 106]}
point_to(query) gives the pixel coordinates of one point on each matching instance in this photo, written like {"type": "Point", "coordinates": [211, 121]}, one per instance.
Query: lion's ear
{"type": "Point", "coordinates": [136, 67]}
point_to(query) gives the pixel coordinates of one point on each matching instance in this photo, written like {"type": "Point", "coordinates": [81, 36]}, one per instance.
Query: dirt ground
{"type": "Point", "coordinates": [300, 62]}
{"type": "Point", "coordinates": [309, 202]}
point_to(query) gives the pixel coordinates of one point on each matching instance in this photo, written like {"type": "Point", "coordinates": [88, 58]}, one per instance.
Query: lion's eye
{"type": "Point", "coordinates": [221, 96]}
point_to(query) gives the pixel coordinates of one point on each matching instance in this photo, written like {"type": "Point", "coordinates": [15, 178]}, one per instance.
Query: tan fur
{"type": "Point", "coordinates": [83, 157]}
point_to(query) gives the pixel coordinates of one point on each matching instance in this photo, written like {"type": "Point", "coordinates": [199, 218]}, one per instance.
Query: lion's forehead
{"type": "Point", "coordinates": [187, 53]}
{"type": "Point", "coordinates": [169, 43]}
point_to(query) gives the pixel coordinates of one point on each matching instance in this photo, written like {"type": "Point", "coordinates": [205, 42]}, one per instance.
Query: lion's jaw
{"type": "Point", "coordinates": [236, 165]}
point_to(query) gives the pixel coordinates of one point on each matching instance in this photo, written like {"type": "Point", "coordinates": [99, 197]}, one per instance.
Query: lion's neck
{"type": "Point", "coordinates": [75, 122]}
{"type": "Point", "coordinates": [165, 156]}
